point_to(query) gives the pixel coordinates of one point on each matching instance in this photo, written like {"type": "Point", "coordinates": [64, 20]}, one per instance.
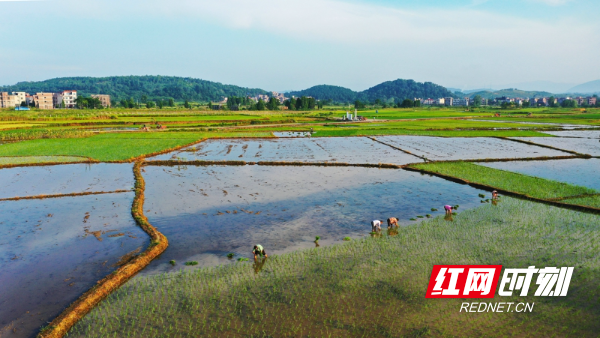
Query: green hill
{"type": "Point", "coordinates": [125, 87]}
{"type": "Point", "coordinates": [327, 92]}
{"type": "Point", "coordinates": [395, 91]}
{"type": "Point", "coordinates": [511, 92]}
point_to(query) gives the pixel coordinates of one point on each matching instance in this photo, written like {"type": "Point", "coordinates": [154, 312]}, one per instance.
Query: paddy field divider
{"type": "Point", "coordinates": [40, 197]}
{"type": "Point", "coordinates": [173, 163]}
{"type": "Point", "coordinates": [84, 304]}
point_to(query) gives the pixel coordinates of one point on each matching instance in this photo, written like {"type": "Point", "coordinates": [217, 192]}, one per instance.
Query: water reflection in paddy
{"type": "Point", "coordinates": [65, 179]}
{"type": "Point", "coordinates": [325, 149]}
{"type": "Point", "coordinates": [580, 145]}
{"type": "Point", "coordinates": [207, 212]}
{"type": "Point", "coordinates": [583, 172]}
{"type": "Point", "coordinates": [53, 250]}
{"type": "Point", "coordinates": [460, 148]}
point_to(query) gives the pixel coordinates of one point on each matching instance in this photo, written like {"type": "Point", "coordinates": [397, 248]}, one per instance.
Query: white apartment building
{"type": "Point", "coordinates": [68, 97]}
{"type": "Point", "coordinates": [449, 101]}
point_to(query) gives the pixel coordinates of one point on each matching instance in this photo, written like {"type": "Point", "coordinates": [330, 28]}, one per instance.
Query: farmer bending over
{"type": "Point", "coordinates": [259, 250]}
{"type": "Point", "coordinates": [448, 209]}
{"type": "Point", "coordinates": [392, 221]}
{"type": "Point", "coordinates": [494, 195]}
{"type": "Point", "coordinates": [376, 225]}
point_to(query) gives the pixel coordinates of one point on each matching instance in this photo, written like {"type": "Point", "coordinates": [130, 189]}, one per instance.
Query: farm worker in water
{"type": "Point", "coordinates": [494, 195]}
{"type": "Point", "coordinates": [376, 225]}
{"type": "Point", "coordinates": [448, 209]}
{"type": "Point", "coordinates": [259, 250]}
{"type": "Point", "coordinates": [392, 221]}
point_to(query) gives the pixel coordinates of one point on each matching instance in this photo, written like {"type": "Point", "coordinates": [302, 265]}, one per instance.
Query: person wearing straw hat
{"type": "Point", "coordinates": [494, 195]}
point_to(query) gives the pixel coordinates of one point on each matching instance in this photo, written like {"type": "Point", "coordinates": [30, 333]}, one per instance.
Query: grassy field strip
{"type": "Point", "coordinates": [373, 287]}
{"type": "Point", "coordinates": [39, 197]}
{"type": "Point", "coordinates": [546, 146]}
{"type": "Point", "coordinates": [397, 148]}
{"type": "Point", "coordinates": [543, 190]}
{"type": "Point", "coordinates": [84, 304]}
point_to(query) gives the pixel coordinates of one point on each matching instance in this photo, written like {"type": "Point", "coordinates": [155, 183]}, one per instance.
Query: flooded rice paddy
{"type": "Point", "coordinates": [325, 149]}
{"type": "Point", "coordinates": [580, 133]}
{"type": "Point", "coordinates": [461, 148]}
{"type": "Point", "coordinates": [65, 179]}
{"type": "Point", "coordinates": [53, 250]}
{"type": "Point", "coordinates": [580, 145]}
{"type": "Point", "coordinates": [208, 212]}
{"type": "Point", "coordinates": [583, 172]}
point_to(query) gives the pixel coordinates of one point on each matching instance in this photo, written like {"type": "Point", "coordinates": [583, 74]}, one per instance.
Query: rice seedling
{"type": "Point", "coordinates": [172, 262]}
{"type": "Point", "coordinates": [243, 259]}
{"type": "Point", "coordinates": [434, 209]}
{"type": "Point", "coordinates": [333, 291]}
{"type": "Point", "coordinates": [428, 215]}
{"type": "Point", "coordinates": [317, 238]}
{"type": "Point", "coordinates": [230, 255]}
{"type": "Point", "coordinates": [347, 238]}
{"type": "Point", "coordinates": [481, 195]}
{"type": "Point", "coordinates": [191, 263]}
{"type": "Point", "coordinates": [419, 216]}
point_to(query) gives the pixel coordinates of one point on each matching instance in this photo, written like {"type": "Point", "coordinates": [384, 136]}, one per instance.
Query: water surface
{"type": "Point", "coordinates": [207, 212]}
{"type": "Point", "coordinates": [462, 148]}
{"type": "Point", "coordinates": [65, 179]}
{"type": "Point", "coordinates": [323, 149]}
{"type": "Point", "coordinates": [580, 145]}
{"type": "Point", "coordinates": [53, 250]}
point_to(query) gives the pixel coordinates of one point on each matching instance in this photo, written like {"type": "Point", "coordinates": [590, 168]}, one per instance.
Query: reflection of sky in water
{"type": "Point", "coordinates": [65, 179]}
{"type": "Point", "coordinates": [461, 148]}
{"type": "Point", "coordinates": [584, 172]}
{"type": "Point", "coordinates": [580, 145]}
{"type": "Point", "coordinates": [324, 149]}
{"type": "Point", "coordinates": [579, 133]}
{"type": "Point", "coordinates": [206, 212]}
{"type": "Point", "coordinates": [47, 258]}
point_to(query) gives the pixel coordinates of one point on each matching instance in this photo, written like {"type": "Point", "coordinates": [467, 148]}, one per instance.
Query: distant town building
{"type": "Point", "coordinates": [440, 101]}
{"type": "Point", "coordinates": [449, 101]}
{"type": "Point", "coordinates": [19, 97]}
{"type": "Point", "coordinates": [65, 99]}
{"type": "Point", "coordinates": [592, 101]}
{"type": "Point", "coordinates": [8, 101]}
{"type": "Point", "coordinates": [465, 102]}
{"type": "Point", "coordinates": [44, 100]}
{"type": "Point", "coordinates": [428, 102]}
{"type": "Point", "coordinates": [104, 100]}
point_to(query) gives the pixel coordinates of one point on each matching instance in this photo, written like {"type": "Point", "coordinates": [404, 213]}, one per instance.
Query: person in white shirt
{"type": "Point", "coordinates": [376, 225]}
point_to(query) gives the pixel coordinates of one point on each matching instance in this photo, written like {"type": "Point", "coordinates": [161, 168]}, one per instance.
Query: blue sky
{"type": "Point", "coordinates": [295, 44]}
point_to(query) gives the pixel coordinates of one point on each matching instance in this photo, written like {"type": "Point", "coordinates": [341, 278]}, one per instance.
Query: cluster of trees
{"type": "Point", "coordinates": [153, 87]}
{"type": "Point", "coordinates": [303, 103]}
{"type": "Point", "coordinates": [88, 103]}
{"type": "Point", "coordinates": [132, 103]}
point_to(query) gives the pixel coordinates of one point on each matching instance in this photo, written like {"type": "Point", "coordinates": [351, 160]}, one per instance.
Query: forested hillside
{"type": "Point", "coordinates": [511, 92]}
{"type": "Point", "coordinates": [389, 91]}
{"type": "Point", "coordinates": [125, 87]}
{"type": "Point", "coordinates": [153, 88]}
{"type": "Point", "coordinates": [327, 92]}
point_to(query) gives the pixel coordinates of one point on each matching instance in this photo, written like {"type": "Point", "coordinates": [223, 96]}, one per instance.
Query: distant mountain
{"type": "Point", "coordinates": [586, 88]}
{"type": "Point", "coordinates": [125, 87]}
{"type": "Point", "coordinates": [546, 86]}
{"type": "Point", "coordinates": [511, 92]}
{"type": "Point", "coordinates": [327, 92]}
{"type": "Point", "coordinates": [397, 91]}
